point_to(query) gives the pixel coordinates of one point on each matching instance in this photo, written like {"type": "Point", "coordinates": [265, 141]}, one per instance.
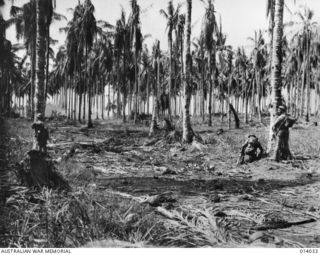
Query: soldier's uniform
{"type": "Point", "coordinates": [280, 130]}
{"type": "Point", "coordinates": [251, 150]}
{"type": "Point", "coordinates": [41, 134]}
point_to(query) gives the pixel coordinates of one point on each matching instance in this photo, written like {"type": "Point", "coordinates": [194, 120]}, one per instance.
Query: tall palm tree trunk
{"type": "Point", "coordinates": [156, 95]}
{"type": "Point", "coordinates": [202, 89]}
{"type": "Point", "coordinates": [148, 95]}
{"type": "Point", "coordinates": [253, 101]}
{"type": "Point", "coordinates": [102, 97]}
{"type": "Point", "coordinates": [210, 90]}
{"type": "Point", "coordinates": [40, 62]}
{"type": "Point", "coordinates": [170, 75]}
{"type": "Point", "coordinates": [276, 79]}
{"type": "Point", "coordinates": [136, 86]}
{"type": "Point", "coordinates": [187, 134]}
{"type": "Point", "coordinates": [80, 95]}
{"type": "Point", "coordinates": [85, 89]}
{"type": "Point", "coordinates": [308, 73]}
{"type": "Point", "coordinates": [182, 73]}
{"type": "Point", "coordinates": [97, 99]}
{"type": "Point", "coordinates": [33, 76]}
{"type": "Point", "coordinates": [75, 105]}
{"type": "Point", "coordinates": [47, 67]}
{"type": "Point", "coordinates": [317, 95]}
{"type": "Point", "coordinates": [79, 107]}
{"type": "Point", "coordinates": [302, 93]}
{"type": "Point", "coordinates": [229, 101]}
{"type": "Point", "coordinates": [259, 96]}
{"type": "Point", "coordinates": [89, 87]}
{"type": "Point", "coordinates": [109, 97]}
{"type": "Point", "coordinates": [72, 102]}
{"type": "Point", "coordinates": [118, 87]}
{"type": "Point", "coordinates": [124, 88]}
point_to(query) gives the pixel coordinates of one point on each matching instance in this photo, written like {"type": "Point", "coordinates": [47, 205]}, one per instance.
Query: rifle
{"type": "Point", "coordinates": [240, 159]}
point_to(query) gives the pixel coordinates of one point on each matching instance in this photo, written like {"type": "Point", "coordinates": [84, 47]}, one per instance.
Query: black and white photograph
{"type": "Point", "coordinates": [159, 124]}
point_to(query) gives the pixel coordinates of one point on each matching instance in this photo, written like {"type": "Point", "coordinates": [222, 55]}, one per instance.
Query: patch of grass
{"type": "Point", "coordinates": [52, 219]}
{"type": "Point", "coordinates": [199, 228]}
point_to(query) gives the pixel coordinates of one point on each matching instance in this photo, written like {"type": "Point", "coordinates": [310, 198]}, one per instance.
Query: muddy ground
{"type": "Point", "coordinates": [207, 199]}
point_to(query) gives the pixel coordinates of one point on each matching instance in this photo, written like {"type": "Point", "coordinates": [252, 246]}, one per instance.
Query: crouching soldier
{"type": "Point", "coordinates": [250, 151]}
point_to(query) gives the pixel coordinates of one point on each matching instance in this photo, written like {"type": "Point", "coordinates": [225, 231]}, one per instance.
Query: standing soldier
{"type": "Point", "coordinates": [41, 134]}
{"type": "Point", "coordinates": [280, 130]}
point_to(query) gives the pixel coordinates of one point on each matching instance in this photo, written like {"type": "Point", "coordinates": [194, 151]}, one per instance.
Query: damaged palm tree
{"type": "Point", "coordinates": [37, 170]}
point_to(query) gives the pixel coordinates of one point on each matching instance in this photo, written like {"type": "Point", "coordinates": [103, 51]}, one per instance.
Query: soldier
{"type": "Point", "coordinates": [41, 135]}
{"type": "Point", "coordinates": [280, 130]}
{"type": "Point", "coordinates": [250, 151]}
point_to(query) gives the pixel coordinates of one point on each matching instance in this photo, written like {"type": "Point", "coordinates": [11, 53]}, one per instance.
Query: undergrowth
{"type": "Point", "coordinates": [72, 219]}
{"type": "Point", "coordinates": [52, 219]}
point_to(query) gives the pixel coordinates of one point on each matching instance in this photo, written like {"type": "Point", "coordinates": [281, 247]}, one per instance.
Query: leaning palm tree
{"type": "Point", "coordinates": [187, 134]}
{"type": "Point", "coordinates": [208, 29]}
{"type": "Point", "coordinates": [172, 17]}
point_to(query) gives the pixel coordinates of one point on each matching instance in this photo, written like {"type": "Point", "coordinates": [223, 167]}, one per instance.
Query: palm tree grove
{"type": "Point", "coordinates": [146, 123]}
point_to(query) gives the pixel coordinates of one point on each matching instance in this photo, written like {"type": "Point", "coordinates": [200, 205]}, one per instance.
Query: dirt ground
{"type": "Point", "coordinates": [264, 204]}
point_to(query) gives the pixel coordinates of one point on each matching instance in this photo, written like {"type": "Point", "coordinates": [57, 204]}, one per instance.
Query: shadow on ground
{"type": "Point", "coordinates": [141, 185]}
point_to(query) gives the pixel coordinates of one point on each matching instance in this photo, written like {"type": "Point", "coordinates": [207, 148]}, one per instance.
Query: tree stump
{"type": "Point", "coordinates": [37, 170]}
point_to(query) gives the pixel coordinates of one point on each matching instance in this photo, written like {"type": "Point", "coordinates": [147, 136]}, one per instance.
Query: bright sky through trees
{"type": "Point", "coordinates": [239, 17]}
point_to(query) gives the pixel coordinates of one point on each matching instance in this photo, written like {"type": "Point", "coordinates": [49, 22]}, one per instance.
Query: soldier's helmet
{"type": "Point", "coordinates": [39, 121]}
{"type": "Point", "coordinates": [282, 108]}
{"type": "Point", "coordinates": [39, 117]}
{"type": "Point", "coordinates": [252, 139]}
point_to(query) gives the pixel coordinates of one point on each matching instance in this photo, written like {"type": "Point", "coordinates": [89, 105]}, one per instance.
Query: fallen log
{"type": "Point", "coordinates": [165, 213]}
{"type": "Point", "coordinates": [125, 195]}
{"type": "Point", "coordinates": [153, 201]}
{"type": "Point", "coordinates": [300, 213]}
{"type": "Point", "coordinates": [158, 200]}
{"type": "Point", "coordinates": [282, 225]}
